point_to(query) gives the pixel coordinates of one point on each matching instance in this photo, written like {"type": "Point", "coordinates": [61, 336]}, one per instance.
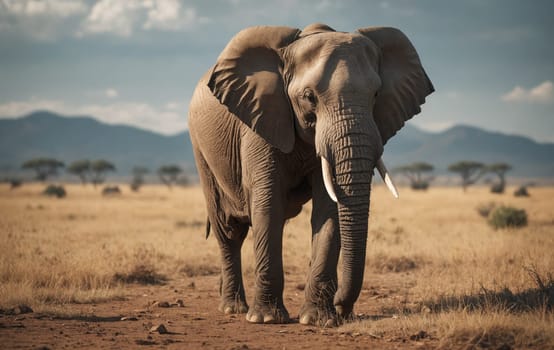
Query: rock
{"type": "Point", "coordinates": [180, 302]}
{"type": "Point", "coordinates": [159, 329]}
{"type": "Point", "coordinates": [163, 304]}
{"type": "Point", "coordinates": [419, 335]}
{"type": "Point", "coordinates": [22, 309]}
{"type": "Point", "coordinates": [129, 318]}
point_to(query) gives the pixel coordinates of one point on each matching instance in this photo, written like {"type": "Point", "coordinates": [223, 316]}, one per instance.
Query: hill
{"type": "Point", "coordinates": [46, 134]}
{"type": "Point", "coordinates": [528, 158]}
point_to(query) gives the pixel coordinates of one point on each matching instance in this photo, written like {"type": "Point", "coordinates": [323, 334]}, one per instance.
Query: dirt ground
{"type": "Point", "coordinates": [127, 324]}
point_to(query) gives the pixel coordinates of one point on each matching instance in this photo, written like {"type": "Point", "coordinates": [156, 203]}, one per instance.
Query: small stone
{"type": "Point", "coordinates": [159, 329]}
{"type": "Point", "coordinates": [419, 335]}
{"type": "Point", "coordinates": [180, 302]}
{"type": "Point", "coordinates": [22, 309]}
{"type": "Point", "coordinates": [163, 304]}
{"type": "Point", "coordinates": [129, 318]}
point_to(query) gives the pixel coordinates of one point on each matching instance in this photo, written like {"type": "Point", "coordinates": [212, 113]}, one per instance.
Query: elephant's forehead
{"type": "Point", "coordinates": [325, 44]}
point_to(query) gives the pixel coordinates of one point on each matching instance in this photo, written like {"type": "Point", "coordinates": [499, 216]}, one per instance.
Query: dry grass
{"type": "Point", "coordinates": [435, 268]}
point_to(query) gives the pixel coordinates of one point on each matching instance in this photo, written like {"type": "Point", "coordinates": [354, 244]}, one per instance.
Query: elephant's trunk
{"type": "Point", "coordinates": [354, 150]}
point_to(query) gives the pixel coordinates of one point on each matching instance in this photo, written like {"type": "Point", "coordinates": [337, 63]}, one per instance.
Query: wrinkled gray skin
{"type": "Point", "coordinates": [276, 101]}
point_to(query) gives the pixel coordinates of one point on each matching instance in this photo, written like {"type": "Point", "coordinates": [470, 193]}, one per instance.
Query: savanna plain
{"type": "Point", "coordinates": [136, 271]}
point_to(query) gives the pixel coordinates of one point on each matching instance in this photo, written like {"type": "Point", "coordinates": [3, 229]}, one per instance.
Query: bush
{"type": "Point", "coordinates": [111, 190]}
{"type": "Point", "coordinates": [15, 183]}
{"type": "Point", "coordinates": [135, 186]}
{"type": "Point", "coordinates": [505, 216]}
{"type": "Point", "coordinates": [521, 192]}
{"type": "Point", "coordinates": [419, 185]}
{"type": "Point", "coordinates": [497, 188]}
{"type": "Point", "coordinates": [55, 191]}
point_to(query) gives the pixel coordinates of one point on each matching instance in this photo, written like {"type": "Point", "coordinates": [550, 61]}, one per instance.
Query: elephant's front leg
{"type": "Point", "coordinates": [267, 226]}
{"type": "Point", "coordinates": [321, 285]}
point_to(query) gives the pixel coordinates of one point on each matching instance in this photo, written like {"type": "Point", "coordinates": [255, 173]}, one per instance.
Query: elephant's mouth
{"type": "Point", "coordinates": [328, 178]}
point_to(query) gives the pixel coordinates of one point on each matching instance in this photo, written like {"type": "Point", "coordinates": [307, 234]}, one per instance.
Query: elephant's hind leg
{"type": "Point", "coordinates": [233, 298]}
{"type": "Point", "coordinates": [231, 289]}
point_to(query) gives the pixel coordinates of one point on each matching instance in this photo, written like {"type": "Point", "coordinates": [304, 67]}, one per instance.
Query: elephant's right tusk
{"type": "Point", "coordinates": [386, 177]}
{"type": "Point", "coordinates": [328, 179]}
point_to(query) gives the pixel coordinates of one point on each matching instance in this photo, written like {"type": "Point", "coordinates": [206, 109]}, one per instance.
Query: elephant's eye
{"type": "Point", "coordinates": [310, 96]}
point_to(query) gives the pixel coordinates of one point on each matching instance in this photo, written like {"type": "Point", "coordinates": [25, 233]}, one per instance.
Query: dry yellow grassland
{"type": "Point", "coordinates": [433, 263]}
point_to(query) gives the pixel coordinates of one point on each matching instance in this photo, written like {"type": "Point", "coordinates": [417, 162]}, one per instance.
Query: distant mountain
{"type": "Point", "coordinates": [527, 157]}
{"type": "Point", "coordinates": [45, 134]}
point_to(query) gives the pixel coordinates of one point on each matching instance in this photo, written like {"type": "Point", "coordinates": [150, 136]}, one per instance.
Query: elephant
{"type": "Point", "coordinates": [286, 116]}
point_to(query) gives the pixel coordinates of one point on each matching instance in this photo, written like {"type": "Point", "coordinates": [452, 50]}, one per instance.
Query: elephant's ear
{"type": "Point", "coordinates": [404, 81]}
{"type": "Point", "coordinates": [247, 78]}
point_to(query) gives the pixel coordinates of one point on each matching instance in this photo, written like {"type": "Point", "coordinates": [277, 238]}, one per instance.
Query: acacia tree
{"type": "Point", "coordinates": [81, 168]}
{"type": "Point", "coordinates": [470, 171]}
{"type": "Point", "coordinates": [43, 167]}
{"type": "Point", "coordinates": [169, 174]}
{"type": "Point", "coordinates": [99, 168]}
{"type": "Point", "coordinates": [500, 169]}
{"type": "Point", "coordinates": [416, 173]}
{"type": "Point", "coordinates": [138, 177]}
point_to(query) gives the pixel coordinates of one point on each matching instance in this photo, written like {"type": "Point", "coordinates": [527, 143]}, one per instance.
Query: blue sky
{"type": "Point", "coordinates": [137, 62]}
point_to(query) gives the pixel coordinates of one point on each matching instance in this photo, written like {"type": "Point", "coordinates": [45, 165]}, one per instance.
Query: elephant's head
{"type": "Point", "coordinates": [344, 93]}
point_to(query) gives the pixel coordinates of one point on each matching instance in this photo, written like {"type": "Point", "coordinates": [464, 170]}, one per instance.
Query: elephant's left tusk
{"type": "Point", "coordinates": [386, 177]}
{"type": "Point", "coordinates": [328, 179]}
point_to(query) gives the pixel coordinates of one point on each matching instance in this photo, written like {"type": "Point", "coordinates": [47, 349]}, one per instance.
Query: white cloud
{"type": "Point", "coordinates": [123, 18]}
{"type": "Point", "coordinates": [53, 8]}
{"type": "Point", "coordinates": [165, 120]}
{"type": "Point", "coordinates": [42, 20]}
{"type": "Point", "coordinates": [113, 16]}
{"type": "Point", "coordinates": [18, 108]}
{"type": "Point", "coordinates": [542, 93]}
{"type": "Point", "coordinates": [435, 126]}
{"type": "Point", "coordinates": [174, 106]}
{"type": "Point", "coordinates": [507, 35]}
{"type": "Point", "coordinates": [112, 93]}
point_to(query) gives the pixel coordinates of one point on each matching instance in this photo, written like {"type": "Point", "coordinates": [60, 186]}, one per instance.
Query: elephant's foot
{"type": "Point", "coordinates": [233, 306]}
{"type": "Point", "coordinates": [312, 314]}
{"type": "Point", "coordinates": [268, 313]}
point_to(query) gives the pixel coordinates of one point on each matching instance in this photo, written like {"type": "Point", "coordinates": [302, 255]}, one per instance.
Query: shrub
{"type": "Point", "coordinates": [504, 216]}
{"type": "Point", "coordinates": [135, 186]}
{"type": "Point", "coordinates": [420, 185]}
{"type": "Point", "coordinates": [54, 190]}
{"type": "Point", "coordinates": [15, 183]}
{"type": "Point", "coordinates": [111, 190]}
{"type": "Point", "coordinates": [521, 192]}
{"type": "Point", "coordinates": [498, 188]}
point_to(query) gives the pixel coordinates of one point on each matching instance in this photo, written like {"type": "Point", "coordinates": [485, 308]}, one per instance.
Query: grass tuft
{"type": "Point", "coordinates": [141, 274]}
{"type": "Point", "coordinates": [508, 217]}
